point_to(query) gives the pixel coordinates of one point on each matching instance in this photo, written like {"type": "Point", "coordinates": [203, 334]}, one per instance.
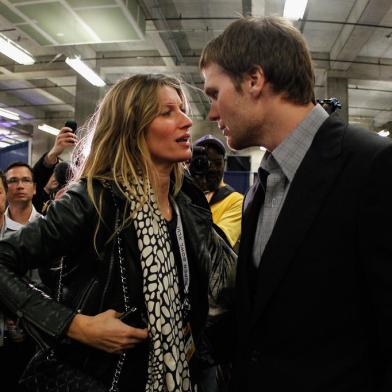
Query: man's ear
{"type": "Point", "coordinates": [255, 81]}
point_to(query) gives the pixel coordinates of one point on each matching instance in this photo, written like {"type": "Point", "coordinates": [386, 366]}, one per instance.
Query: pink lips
{"type": "Point", "coordinates": [184, 139]}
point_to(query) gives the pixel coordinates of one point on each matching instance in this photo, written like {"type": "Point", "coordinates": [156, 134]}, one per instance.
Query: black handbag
{"type": "Point", "coordinates": [46, 372]}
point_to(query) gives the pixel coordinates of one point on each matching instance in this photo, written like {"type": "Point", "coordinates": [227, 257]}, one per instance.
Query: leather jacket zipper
{"type": "Point", "coordinates": [85, 295]}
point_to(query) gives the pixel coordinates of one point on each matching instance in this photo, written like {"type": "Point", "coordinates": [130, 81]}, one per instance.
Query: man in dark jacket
{"type": "Point", "coordinates": [314, 283]}
{"type": "Point", "coordinates": [44, 167]}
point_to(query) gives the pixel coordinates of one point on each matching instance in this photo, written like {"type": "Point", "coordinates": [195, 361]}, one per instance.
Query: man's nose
{"type": "Point", "coordinates": [213, 114]}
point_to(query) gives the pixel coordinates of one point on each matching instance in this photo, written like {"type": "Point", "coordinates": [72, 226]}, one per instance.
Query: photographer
{"type": "Point", "coordinates": [207, 168]}
{"type": "Point", "coordinates": [44, 167]}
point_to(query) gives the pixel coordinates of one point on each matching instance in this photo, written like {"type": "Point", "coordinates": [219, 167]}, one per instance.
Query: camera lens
{"type": "Point", "coordinates": [199, 162]}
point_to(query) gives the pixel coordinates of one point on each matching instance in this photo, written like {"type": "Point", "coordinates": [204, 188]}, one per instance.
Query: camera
{"type": "Point", "coordinates": [199, 162]}
{"type": "Point", "coordinates": [330, 104]}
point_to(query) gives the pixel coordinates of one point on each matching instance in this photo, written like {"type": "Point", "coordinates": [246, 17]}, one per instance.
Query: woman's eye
{"type": "Point", "coordinates": [166, 113]}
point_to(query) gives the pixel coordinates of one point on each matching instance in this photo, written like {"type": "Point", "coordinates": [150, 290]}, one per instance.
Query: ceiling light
{"type": "Point", "coordinates": [294, 9]}
{"type": "Point", "coordinates": [4, 144]}
{"type": "Point", "coordinates": [80, 67]}
{"type": "Point", "coordinates": [49, 129]}
{"type": "Point", "coordinates": [383, 133]}
{"type": "Point", "coordinates": [9, 114]}
{"type": "Point", "coordinates": [14, 51]}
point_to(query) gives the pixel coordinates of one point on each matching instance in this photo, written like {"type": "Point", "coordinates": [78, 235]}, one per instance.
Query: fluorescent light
{"type": "Point", "coordinates": [9, 114]}
{"type": "Point", "coordinates": [4, 144]}
{"type": "Point", "coordinates": [383, 133]}
{"type": "Point", "coordinates": [294, 9]}
{"type": "Point", "coordinates": [49, 129]}
{"type": "Point", "coordinates": [14, 51]}
{"type": "Point", "coordinates": [80, 67]}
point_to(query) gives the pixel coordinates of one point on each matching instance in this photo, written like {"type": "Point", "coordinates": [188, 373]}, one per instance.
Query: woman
{"type": "Point", "coordinates": [137, 238]}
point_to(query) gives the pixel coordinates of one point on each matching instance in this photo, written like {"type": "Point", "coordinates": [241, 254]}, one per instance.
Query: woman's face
{"type": "Point", "coordinates": [168, 136]}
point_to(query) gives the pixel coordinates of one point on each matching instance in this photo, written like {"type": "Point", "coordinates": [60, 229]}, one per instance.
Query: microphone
{"type": "Point", "coordinates": [71, 124]}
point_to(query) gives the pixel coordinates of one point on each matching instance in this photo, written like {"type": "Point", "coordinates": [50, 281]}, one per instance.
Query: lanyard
{"type": "Point", "coordinates": [186, 305]}
{"type": "Point", "coordinates": [181, 245]}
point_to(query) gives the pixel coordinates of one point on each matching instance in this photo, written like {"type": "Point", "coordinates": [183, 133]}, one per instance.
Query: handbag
{"type": "Point", "coordinates": [46, 372]}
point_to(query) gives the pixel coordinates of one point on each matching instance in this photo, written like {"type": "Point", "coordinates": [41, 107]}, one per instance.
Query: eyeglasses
{"type": "Point", "coordinates": [15, 181]}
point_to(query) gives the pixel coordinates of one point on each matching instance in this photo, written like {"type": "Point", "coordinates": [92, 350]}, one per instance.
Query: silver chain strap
{"type": "Point", "coordinates": [60, 284]}
{"type": "Point", "coordinates": [120, 362]}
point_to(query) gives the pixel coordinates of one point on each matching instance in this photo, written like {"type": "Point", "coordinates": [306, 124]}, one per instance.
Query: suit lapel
{"type": "Point", "coordinates": [311, 184]}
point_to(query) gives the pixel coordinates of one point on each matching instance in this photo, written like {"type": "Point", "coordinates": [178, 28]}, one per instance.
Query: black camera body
{"type": "Point", "coordinates": [330, 104]}
{"type": "Point", "coordinates": [199, 162]}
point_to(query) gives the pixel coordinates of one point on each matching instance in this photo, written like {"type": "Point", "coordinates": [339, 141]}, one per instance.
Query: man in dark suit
{"type": "Point", "coordinates": [314, 282]}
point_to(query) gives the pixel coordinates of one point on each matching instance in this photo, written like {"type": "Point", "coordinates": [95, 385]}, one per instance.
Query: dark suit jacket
{"type": "Point", "coordinates": [321, 314]}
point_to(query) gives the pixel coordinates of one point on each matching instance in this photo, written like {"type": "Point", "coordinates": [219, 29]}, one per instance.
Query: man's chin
{"type": "Point", "coordinates": [232, 144]}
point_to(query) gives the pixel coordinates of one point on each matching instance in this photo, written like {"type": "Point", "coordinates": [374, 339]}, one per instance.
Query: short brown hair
{"type": "Point", "coordinates": [272, 43]}
{"type": "Point", "coordinates": [20, 164]}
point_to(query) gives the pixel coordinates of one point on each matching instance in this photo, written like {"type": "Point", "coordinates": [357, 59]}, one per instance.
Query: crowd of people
{"type": "Point", "coordinates": [149, 293]}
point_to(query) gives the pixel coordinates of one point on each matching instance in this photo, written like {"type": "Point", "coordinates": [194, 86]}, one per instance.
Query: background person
{"type": "Point", "coordinates": [3, 203]}
{"type": "Point", "coordinates": [62, 174]}
{"type": "Point", "coordinates": [161, 264]}
{"type": "Point", "coordinates": [44, 167]}
{"type": "Point", "coordinates": [224, 201]}
{"type": "Point", "coordinates": [17, 347]}
{"type": "Point", "coordinates": [314, 283]}
{"type": "Point", "coordinates": [21, 189]}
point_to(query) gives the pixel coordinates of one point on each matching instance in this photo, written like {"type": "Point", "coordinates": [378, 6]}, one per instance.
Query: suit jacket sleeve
{"type": "Point", "coordinates": [375, 247]}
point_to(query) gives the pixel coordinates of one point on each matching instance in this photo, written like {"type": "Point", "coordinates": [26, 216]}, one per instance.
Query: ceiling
{"type": "Point", "coordinates": [349, 39]}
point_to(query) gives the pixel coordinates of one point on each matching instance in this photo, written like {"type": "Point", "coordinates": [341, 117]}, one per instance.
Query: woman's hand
{"type": "Point", "coordinates": [105, 332]}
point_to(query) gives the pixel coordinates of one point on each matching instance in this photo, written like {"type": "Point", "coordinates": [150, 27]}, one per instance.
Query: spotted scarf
{"type": "Point", "coordinates": [168, 368]}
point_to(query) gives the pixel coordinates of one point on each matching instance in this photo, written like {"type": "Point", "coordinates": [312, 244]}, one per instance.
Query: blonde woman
{"type": "Point", "coordinates": [137, 244]}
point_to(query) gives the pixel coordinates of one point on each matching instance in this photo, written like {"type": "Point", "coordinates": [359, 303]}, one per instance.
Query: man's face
{"type": "Point", "coordinates": [52, 184]}
{"type": "Point", "coordinates": [211, 181]}
{"type": "Point", "coordinates": [239, 113]}
{"type": "Point", "coordinates": [3, 198]}
{"type": "Point", "coordinates": [21, 187]}
{"type": "Point", "coordinates": [228, 106]}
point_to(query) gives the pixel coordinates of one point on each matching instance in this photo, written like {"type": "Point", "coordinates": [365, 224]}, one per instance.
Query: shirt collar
{"type": "Point", "coordinates": [10, 224]}
{"type": "Point", "coordinates": [289, 154]}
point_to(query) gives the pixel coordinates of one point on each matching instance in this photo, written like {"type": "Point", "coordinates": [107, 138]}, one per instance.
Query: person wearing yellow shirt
{"type": "Point", "coordinates": [224, 201]}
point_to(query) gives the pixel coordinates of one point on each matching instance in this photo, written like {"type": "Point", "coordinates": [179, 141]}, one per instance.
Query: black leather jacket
{"type": "Point", "coordinates": [92, 280]}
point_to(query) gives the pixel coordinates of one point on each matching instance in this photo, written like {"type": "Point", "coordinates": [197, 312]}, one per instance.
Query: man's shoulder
{"type": "Point", "coordinates": [349, 137]}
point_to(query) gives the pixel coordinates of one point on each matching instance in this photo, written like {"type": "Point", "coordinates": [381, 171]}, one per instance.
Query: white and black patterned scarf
{"type": "Point", "coordinates": [168, 368]}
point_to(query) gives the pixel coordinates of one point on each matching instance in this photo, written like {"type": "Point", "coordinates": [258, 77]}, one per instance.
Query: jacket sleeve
{"type": "Point", "coordinates": [41, 174]}
{"type": "Point", "coordinates": [222, 275]}
{"type": "Point", "coordinates": [219, 333]}
{"type": "Point", "coordinates": [375, 252]}
{"type": "Point", "coordinates": [65, 229]}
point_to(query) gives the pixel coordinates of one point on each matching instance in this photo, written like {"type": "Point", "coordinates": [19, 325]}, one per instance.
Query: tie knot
{"type": "Point", "coordinates": [263, 174]}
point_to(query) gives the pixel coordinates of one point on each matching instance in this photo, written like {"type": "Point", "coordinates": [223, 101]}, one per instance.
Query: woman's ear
{"type": "Point", "coordinates": [256, 81]}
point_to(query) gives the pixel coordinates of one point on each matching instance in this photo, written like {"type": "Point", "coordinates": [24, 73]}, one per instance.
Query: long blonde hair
{"type": "Point", "coordinates": [116, 137]}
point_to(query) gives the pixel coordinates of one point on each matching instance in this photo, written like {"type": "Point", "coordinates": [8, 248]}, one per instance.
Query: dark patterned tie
{"type": "Point", "coordinates": [254, 207]}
